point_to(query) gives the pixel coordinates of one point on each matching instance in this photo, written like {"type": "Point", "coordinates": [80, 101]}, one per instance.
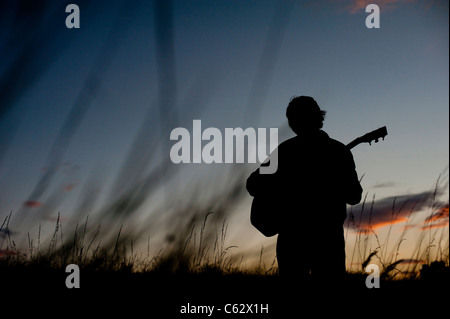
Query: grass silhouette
{"type": "Point", "coordinates": [199, 267]}
{"type": "Point", "coordinates": [202, 251]}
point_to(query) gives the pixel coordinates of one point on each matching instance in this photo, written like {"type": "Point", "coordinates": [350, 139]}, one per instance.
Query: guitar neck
{"type": "Point", "coordinates": [369, 137]}
{"type": "Point", "coordinates": [353, 143]}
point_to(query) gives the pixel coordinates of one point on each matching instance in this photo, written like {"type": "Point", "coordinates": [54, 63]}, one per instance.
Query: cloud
{"type": "Point", "coordinates": [7, 252]}
{"type": "Point", "coordinates": [384, 185]}
{"type": "Point", "coordinates": [437, 220]}
{"type": "Point", "coordinates": [32, 204]}
{"type": "Point", "coordinates": [356, 6]}
{"type": "Point", "coordinates": [443, 223]}
{"type": "Point", "coordinates": [412, 261]}
{"type": "Point", "coordinates": [69, 187]}
{"type": "Point", "coordinates": [439, 216]}
{"type": "Point", "coordinates": [387, 211]}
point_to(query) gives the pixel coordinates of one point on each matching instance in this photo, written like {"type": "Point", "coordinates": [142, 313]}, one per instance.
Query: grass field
{"type": "Point", "coordinates": [196, 254]}
{"type": "Point", "coordinates": [201, 268]}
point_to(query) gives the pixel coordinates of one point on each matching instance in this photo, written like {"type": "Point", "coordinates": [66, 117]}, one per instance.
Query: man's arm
{"type": "Point", "coordinates": [265, 176]}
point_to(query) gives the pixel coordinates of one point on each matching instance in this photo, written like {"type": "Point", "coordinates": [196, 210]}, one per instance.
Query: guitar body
{"type": "Point", "coordinates": [262, 215]}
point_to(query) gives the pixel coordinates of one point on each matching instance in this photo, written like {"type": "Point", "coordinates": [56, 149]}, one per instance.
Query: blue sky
{"type": "Point", "coordinates": [230, 64]}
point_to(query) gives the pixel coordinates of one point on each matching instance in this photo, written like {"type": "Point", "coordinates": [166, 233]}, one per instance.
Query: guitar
{"type": "Point", "coordinates": [263, 207]}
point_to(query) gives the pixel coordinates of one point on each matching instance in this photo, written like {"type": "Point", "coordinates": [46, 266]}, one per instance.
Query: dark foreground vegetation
{"type": "Point", "coordinates": [199, 272]}
{"type": "Point", "coordinates": [163, 294]}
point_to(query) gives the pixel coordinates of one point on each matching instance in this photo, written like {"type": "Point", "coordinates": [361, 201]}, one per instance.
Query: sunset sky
{"type": "Point", "coordinates": [86, 114]}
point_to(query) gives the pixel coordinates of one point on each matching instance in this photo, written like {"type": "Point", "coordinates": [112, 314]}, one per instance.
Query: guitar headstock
{"type": "Point", "coordinates": [374, 135]}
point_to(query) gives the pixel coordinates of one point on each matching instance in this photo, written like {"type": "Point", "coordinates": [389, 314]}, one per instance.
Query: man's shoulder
{"type": "Point", "coordinates": [288, 142]}
{"type": "Point", "coordinates": [321, 137]}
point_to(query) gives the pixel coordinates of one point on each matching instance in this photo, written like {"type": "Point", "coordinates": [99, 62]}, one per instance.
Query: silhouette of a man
{"type": "Point", "coordinates": [316, 178]}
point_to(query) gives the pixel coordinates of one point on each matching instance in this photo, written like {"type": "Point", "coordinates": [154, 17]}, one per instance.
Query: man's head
{"type": "Point", "coordinates": [304, 115]}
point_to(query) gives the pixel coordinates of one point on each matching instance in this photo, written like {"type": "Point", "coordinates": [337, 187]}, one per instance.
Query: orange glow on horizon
{"type": "Point", "coordinates": [32, 204]}
{"type": "Point", "coordinates": [391, 222]}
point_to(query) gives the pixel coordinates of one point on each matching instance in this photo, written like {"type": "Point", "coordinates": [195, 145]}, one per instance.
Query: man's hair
{"type": "Point", "coordinates": [304, 113]}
